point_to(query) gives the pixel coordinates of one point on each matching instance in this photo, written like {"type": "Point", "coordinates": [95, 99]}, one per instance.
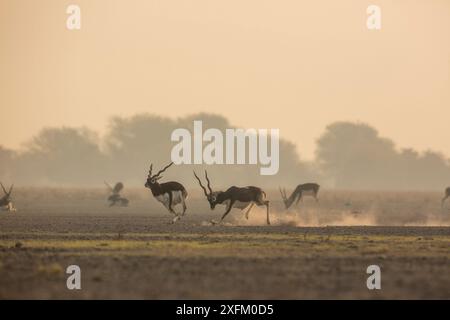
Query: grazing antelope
{"type": "Point", "coordinates": [447, 195]}
{"type": "Point", "coordinates": [235, 197]}
{"type": "Point", "coordinates": [310, 189]}
{"type": "Point", "coordinates": [168, 193]}
{"type": "Point", "coordinates": [115, 198]}
{"type": "Point", "coordinates": [6, 202]}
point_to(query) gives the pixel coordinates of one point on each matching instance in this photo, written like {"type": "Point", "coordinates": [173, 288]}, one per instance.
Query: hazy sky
{"type": "Point", "coordinates": [288, 64]}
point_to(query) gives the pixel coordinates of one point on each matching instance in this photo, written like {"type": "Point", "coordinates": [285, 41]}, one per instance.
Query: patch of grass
{"type": "Point", "coordinates": [51, 269]}
{"type": "Point", "coordinates": [242, 245]}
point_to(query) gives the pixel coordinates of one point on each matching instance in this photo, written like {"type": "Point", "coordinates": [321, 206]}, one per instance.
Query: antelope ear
{"type": "Point", "coordinates": [157, 178]}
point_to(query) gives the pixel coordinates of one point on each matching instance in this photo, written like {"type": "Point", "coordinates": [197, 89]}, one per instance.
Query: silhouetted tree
{"type": "Point", "coordinates": [67, 156]}
{"type": "Point", "coordinates": [354, 156]}
{"type": "Point", "coordinates": [349, 155]}
{"type": "Point", "coordinates": [7, 165]}
{"type": "Point", "coordinates": [133, 143]}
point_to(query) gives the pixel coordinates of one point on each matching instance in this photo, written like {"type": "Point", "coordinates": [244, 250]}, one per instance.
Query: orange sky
{"type": "Point", "coordinates": [288, 64]}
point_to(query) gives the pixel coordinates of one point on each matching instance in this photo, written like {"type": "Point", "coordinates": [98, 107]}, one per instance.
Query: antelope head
{"type": "Point", "coordinates": [7, 193]}
{"type": "Point", "coordinates": [152, 180]}
{"type": "Point", "coordinates": [211, 196]}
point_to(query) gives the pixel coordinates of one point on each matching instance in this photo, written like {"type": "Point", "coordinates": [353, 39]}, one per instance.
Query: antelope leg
{"type": "Point", "coordinates": [443, 200]}
{"type": "Point", "coordinates": [248, 210]}
{"type": "Point", "coordinates": [228, 210]}
{"type": "Point", "coordinates": [184, 205]}
{"type": "Point", "coordinates": [176, 218]}
{"type": "Point", "coordinates": [300, 197]}
{"type": "Point", "coordinates": [170, 203]}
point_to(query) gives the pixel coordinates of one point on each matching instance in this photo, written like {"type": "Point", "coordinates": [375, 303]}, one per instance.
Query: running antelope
{"type": "Point", "coordinates": [307, 189]}
{"type": "Point", "coordinates": [6, 202]}
{"type": "Point", "coordinates": [447, 195]}
{"type": "Point", "coordinates": [168, 193]}
{"type": "Point", "coordinates": [235, 197]}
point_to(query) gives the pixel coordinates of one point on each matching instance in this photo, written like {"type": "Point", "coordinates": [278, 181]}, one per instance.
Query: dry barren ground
{"type": "Point", "coordinates": [134, 253]}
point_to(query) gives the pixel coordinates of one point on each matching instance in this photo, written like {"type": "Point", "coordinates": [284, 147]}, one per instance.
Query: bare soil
{"type": "Point", "coordinates": [316, 250]}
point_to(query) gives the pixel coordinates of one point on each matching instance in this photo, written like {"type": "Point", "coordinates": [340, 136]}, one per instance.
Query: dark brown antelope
{"type": "Point", "coordinates": [306, 189]}
{"type": "Point", "coordinates": [235, 197]}
{"type": "Point", "coordinates": [5, 201]}
{"type": "Point", "coordinates": [168, 193]}
{"type": "Point", "coordinates": [447, 195]}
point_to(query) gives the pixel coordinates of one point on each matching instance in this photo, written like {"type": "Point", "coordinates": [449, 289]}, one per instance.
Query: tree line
{"type": "Point", "coordinates": [348, 156]}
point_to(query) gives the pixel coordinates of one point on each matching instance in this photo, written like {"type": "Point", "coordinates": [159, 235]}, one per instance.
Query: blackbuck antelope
{"type": "Point", "coordinates": [306, 189]}
{"type": "Point", "coordinates": [168, 193]}
{"type": "Point", "coordinates": [115, 198]}
{"type": "Point", "coordinates": [235, 197]}
{"type": "Point", "coordinates": [6, 202]}
{"type": "Point", "coordinates": [447, 195]}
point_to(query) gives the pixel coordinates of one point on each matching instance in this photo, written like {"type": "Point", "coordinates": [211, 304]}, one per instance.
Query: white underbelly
{"type": "Point", "coordinates": [177, 197]}
{"type": "Point", "coordinates": [241, 205]}
{"type": "Point", "coordinates": [237, 204]}
{"type": "Point", "coordinates": [308, 192]}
